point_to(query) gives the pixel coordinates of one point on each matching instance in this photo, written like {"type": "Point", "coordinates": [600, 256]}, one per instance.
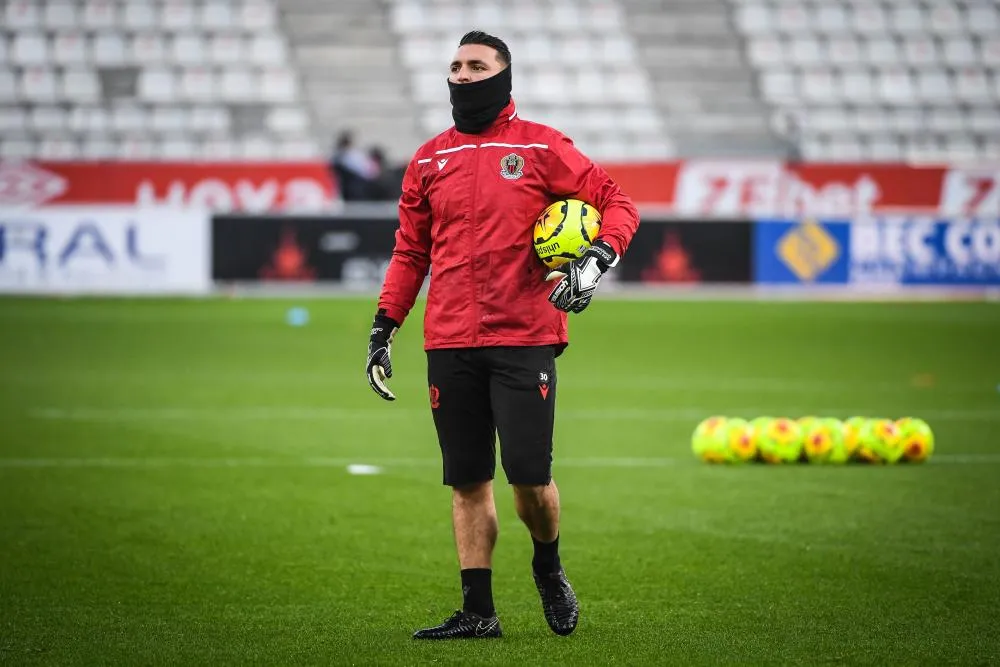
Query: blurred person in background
{"type": "Point", "coordinates": [353, 170]}
{"type": "Point", "coordinates": [496, 318]}
{"type": "Point", "coordinates": [388, 185]}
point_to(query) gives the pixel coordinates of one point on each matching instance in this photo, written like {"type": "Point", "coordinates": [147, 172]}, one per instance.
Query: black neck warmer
{"type": "Point", "coordinates": [474, 106]}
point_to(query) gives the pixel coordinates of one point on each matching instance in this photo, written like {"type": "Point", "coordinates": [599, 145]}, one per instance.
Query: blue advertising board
{"type": "Point", "coordinates": [905, 250]}
{"type": "Point", "coordinates": [811, 252]}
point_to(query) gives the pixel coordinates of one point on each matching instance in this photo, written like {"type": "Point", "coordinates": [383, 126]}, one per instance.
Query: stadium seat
{"type": "Point", "coordinates": [945, 20]}
{"type": "Point", "coordinates": [157, 84]}
{"type": "Point", "coordinates": [87, 120]}
{"type": "Point", "coordinates": [754, 18]}
{"type": "Point", "coordinates": [199, 84]}
{"type": "Point", "coordinates": [267, 49]}
{"type": "Point", "coordinates": [29, 48]}
{"type": "Point", "coordinates": [99, 14]}
{"type": "Point", "coordinates": [15, 147]}
{"type": "Point", "coordinates": [226, 49]}
{"type": "Point", "coordinates": [982, 19]}
{"type": "Point", "coordinates": [147, 48]}
{"type": "Point", "coordinates": [256, 15]}
{"type": "Point", "coordinates": [298, 149]}
{"type": "Point", "coordinates": [209, 119]}
{"type": "Point", "coordinates": [806, 52]}
{"type": "Point", "coordinates": [959, 52]}
{"type": "Point", "coordinates": [287, 120]}
{"type": "Point", "coordinates": [177, 148]}
{"type": "Point", "coordinates": [217, 15]}
{"type": "Point", "coordinates": [70, 47]}
{"type": "Point", "coordinates": [831, 19]}
{"type": "Point", "coordinates": [844, 50]}
{"type": "Point", "coordinates": [188, 49]}
{"type": "Point", "coordinates": [169, 120]}
{"type": "Point", "coordinates": [109, 49]}
{"type": "Point", "coordinates": [129, 118]}
{"type": "Point", "coordinates": [61, 15]}
{"type": "Point", "coordinates": [38, 84]}
{"type": "Point", "coordinates": [49, 119]}
{"type": "Point", "coordinates": [13, 120]}
{"type": "Point", "coordinates": [256, 148]}
{"type": "Point", "coordinates": [177, 16]}
{"type": "Point", "coordinates": [990, 51]}
{"type": "Point", "coordinates": [869, 19]}
{"type": "Point", "coordinates": [21, 14]}
{"type": "Point", "coordinates": [80, 85]}
{"type": "Point", "coordinates": [278, 84]}
{"type": "Point", "coordinates": [97, 148]}
{"type": "Point", "coordinates": [139, 16]}
{"type": "Point", "coordinates": [135, 148]}
{"type": "Point", "coordinates": [934, 87]}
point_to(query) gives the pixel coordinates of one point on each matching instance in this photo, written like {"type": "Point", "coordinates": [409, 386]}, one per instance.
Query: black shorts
{"type": "Point", "coordinates": [477, 393]}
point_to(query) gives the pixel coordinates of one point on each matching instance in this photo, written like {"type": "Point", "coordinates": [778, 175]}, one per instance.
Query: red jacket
{"type": "Point", "coordinates": [467, 211]}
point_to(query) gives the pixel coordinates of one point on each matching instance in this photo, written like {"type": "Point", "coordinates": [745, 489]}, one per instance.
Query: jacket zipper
{"type": "Point", "coordinates": [472, 250]}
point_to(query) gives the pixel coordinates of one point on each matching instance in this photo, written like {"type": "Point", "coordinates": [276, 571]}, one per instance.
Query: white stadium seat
{"type": "Point", "coordinates": [80, 85]}
{"type": "Point", "coordinates": [109, 49]}
{"type": "Point", "coordinates": [129, 119]}
{"type": "Point", "coordinates": [238, 84]}
{"type": "Point", "coordinates": [30, 48]}
{"type": "Point", "coordinates": [147, 48]}
{"type": "Point", "coordinates": [70, 48]}
{"type": "Point", "coordinates": [217, 15]}
{"type": "Point", "coordinates": [61, 15]}
{"type": "Point", "coordinates": [169, 119]}
{"type": "Point", "coordinates": [38, 84]}
{"type": "Point", "coordinates": [13, 120]}
{"type": "Point", "coordinates": [49, 119]}
{"type": "Point", "coordinates": [188, 49]}
{"type": "Point", "coordinates": [177, 15]}
{"type": "Point", "coordinates": [20, 14]}
{"type": "Point", "coordinates": [99, 14]}
{"type": "Point", "coordinates": [199, 84]}
{"type": "Point", "coordinates": [139, 16]}
{"type": "Point", "coordinates": [157, 85]}
{"type": "Point", "coordinates": [225, 49]}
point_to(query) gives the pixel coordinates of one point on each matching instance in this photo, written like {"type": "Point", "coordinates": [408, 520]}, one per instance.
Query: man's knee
{"type": "Point", "coordinates": [474, 492]}
{"type": "Point", "coordinates": [533, 494]}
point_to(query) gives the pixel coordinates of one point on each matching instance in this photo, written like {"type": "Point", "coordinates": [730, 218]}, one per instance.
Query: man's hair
{"type": "Point", "coordinates": [486, 39]}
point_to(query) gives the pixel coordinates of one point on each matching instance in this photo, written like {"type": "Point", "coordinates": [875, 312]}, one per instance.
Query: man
{"type": "Point", "coordinates": [495, 319]}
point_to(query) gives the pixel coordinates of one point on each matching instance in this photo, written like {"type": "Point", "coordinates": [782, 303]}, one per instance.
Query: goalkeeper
{"type": "Point", "coordinates": [495, 318]}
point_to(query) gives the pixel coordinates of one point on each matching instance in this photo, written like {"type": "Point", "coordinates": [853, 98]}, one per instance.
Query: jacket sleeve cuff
{"type": "Point", "coordinates": [393, 312]}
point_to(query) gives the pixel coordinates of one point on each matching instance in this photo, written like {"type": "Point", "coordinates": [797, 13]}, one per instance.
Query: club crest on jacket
{"type": "Point", "coordinates": [512, 167]}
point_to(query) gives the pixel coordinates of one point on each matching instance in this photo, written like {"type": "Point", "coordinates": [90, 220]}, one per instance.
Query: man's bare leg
{"type": "Point", "coordinates": [538, 507]}
{"type": "Point", "coordinates": [474, 516]}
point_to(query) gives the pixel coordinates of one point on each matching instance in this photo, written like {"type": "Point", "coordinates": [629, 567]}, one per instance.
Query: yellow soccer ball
{"type": "Point", "coordinates": [564, 231]}
{"type": "Point", "coordinates": [917, 439]}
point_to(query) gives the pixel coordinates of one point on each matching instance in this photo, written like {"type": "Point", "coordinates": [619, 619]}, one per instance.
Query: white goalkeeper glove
{"type": "Point", "coordinates": [578, 280]}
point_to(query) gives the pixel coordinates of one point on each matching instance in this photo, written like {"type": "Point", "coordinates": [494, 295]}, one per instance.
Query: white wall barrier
{"type": "Point", "coordinates": [104, 250]}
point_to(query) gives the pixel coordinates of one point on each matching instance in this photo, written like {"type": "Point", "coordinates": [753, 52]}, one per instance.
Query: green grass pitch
{"type": "Point", "coordinates": [174, 490]}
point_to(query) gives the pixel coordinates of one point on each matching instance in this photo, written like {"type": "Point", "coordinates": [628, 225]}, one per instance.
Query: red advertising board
{"type": "Point", "coordinates": [692, 188]}
{"type": "Point", "coordinates": [222, 187]}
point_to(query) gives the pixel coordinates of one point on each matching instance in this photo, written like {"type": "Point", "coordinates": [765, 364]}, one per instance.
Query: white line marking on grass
{"type": "Point", "coordinates": [305, 413]}
{"type": "Point", "coordinates": [363, 469]}
{"type": "Point", "coordinates": [382, 464]}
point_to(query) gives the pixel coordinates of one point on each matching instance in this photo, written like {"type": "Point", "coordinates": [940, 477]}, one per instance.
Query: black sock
{"type": "Point", "coordinates": [477, 591]}
{"type": "Point", "coordinates": [546, 560]}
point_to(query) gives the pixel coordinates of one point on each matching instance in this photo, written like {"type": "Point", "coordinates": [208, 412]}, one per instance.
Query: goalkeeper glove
{"type": "Point", "coordinates": [578, 280]}
{"type": "Point", "coordinates": [379, 347]}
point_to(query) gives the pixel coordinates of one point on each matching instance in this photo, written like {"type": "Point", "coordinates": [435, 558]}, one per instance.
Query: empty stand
{"type": "Point", "coordinates": [98, 79]}
{"type": "Point", "coordinates": [900, 80]}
